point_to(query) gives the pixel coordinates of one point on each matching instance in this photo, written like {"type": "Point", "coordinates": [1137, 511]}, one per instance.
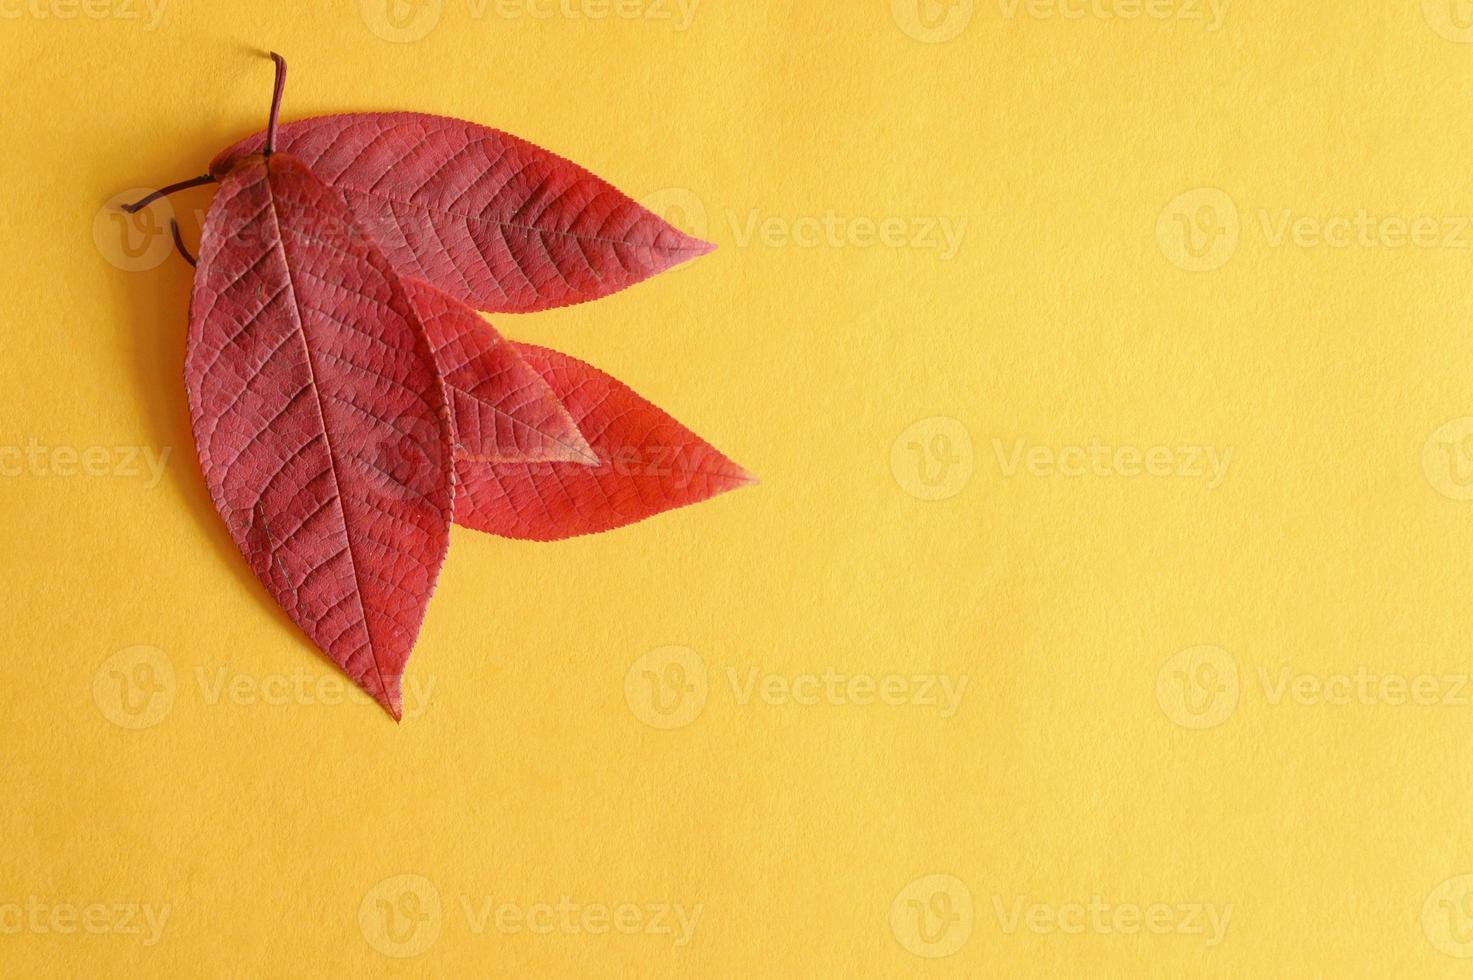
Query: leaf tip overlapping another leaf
{"type": "Point", "coordinates": [502, 409]}
{"type": "Point", "coordinates": [648, 463]}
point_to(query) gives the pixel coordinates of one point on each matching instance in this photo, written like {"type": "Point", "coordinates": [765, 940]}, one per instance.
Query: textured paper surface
{"type": "Point", "coordinates": [1105, 447]}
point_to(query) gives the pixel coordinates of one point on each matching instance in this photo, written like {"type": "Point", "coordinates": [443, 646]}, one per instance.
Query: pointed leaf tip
{"type": "Point", "coordinates": [648, 463]}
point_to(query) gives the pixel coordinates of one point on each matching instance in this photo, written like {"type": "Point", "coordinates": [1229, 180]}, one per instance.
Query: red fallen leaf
{"type": "Point", "coordinates": [322, 427]}
{"type": "Point", "coordinates": [649, 463]}
{"type": "Point", "coordinates": [502, 409]}
{"type": "Point", "coordinates": [497, 222]}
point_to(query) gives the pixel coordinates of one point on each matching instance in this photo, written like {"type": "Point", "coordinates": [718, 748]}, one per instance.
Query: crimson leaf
{"type": "Point", "coordinates": [497, 222]}
{"type": "Point", "coordinates": [322, 427]}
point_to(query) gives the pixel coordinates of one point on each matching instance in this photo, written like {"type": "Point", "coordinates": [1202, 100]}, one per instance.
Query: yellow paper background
{"type": "Point", "coordinates": [1334, 549]}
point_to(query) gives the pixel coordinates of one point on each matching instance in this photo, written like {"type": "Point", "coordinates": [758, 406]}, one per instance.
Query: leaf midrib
{"type": "Point", "coordinates": [332, 456]}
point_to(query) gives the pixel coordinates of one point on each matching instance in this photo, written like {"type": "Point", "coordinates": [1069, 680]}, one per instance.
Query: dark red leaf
{"type": "Point", "coordinates": [502, 409]}
{"type": "Point", "coordinates": [648, 463]}
{"type": "Point", "coordinates": [495, 221]}
{"type": "Point", "coordinates": [322, 426]}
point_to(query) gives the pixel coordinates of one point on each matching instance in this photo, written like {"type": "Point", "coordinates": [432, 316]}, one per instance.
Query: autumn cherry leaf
{"type": "Point", "coordinates": [648, 463]}
{"type": "Point", "coordinates": [495, 221]}
{"type": "Point", "coordinates": [321, 422]}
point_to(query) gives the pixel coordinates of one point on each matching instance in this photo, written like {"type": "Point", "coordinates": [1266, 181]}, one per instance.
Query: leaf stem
{"type": "Point", "coordinates": [275, 103]}
{"type": "Point", "coordinates": [179, 243]}
{"type": "Point", "coordinates": [182, 185]}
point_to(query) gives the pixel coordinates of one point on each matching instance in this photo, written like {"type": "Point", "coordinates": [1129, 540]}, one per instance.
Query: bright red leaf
{"type": "Point", "coordinates": [648, 463]}
{"type": "Point", "coordinates": [495, 221]}
{"type": "Point", "coordinates": [502, 409]}
{"type": "Point", "coordinates": [322, 427]}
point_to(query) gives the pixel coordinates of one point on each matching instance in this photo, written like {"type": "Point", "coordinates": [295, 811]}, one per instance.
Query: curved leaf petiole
{"type": "Point", "coordinates": [174, 188]}
{"type": "Point", "coordinates": [179, 243]}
